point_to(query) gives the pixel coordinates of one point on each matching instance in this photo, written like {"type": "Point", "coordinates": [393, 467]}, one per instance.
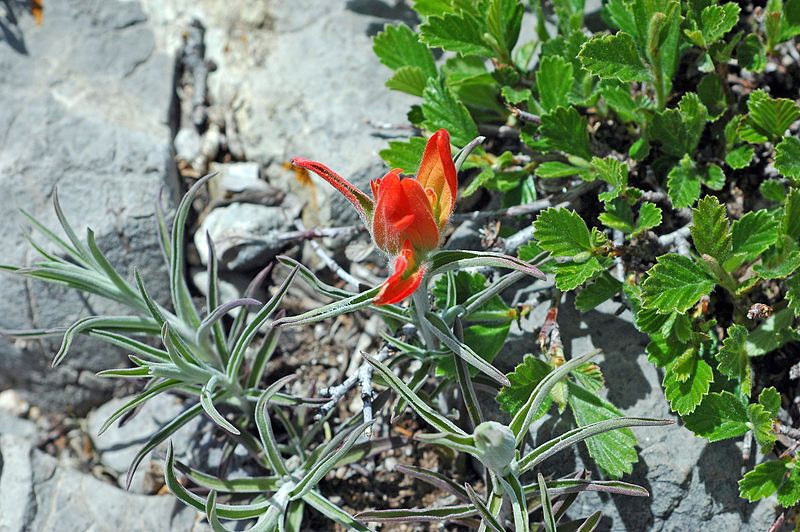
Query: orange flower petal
{"type": "Point", "coordinates": [438, 173]}
{"type": "Point", "coordinates": [404, 281]}
{"type": "Point", "coordinates": [403, 212]}
{"type": "Point", "coordinates": [360, 201]}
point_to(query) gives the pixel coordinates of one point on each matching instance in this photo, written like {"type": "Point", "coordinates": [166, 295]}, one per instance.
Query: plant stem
{"type": "Point", "coordinates": [661, 97]}
{"type": "Point", "coordinates": [421, 308]}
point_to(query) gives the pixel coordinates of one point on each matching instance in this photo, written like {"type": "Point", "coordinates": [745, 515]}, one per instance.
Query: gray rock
{"type": "Point", "coordinates": [692, 484]}
{"type": "Point", "coordinates": [16, 490]}
{"type": "Point", "coordinates": [242, 183]}
{"type": "Point", "coordinates": [36, 493]}
{"type": "Point", "coordinates": [86, 99]}
{"type": "Point", "coordinates": [17, 426]}
{"type": "Point", "coordinates": [239, 177]}
{"type": "Point", "coordinates": [228, 291]}
{"type": "Point", "coordinates": [118, 446]}
{"type": "Point", "coordinates": [245, 235]}
{"type": "Point", "coordinates": [465, 236]}
{"type": "Point", "coordinates": [303, 81]}
{"type": "Point", "coordinates": [320, 109]}
{"type": "Point", "coordinates": [188, 144]}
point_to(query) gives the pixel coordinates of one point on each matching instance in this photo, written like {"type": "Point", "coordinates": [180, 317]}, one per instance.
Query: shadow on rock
{"type": "Point", "coordinates": [719, 471]}
{"type": "Point", "coordinates": [398, 12]}
{"type": "Point", "coordinates": [635, 512]}
{"type": "Point", "coordinates": [11, 33]}
{"type": "Point", "coordinates": [621, 344]}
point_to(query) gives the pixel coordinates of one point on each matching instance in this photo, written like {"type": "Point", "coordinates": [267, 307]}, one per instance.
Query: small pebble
{"type": "Point", "coordinates": [187, 144]}
{"type": "Point", "coordinates": [11, 401]}
{"type": "Point", "coordinates": [390, 463]}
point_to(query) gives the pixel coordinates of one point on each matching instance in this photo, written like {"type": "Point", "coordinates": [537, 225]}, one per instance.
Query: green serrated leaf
{"type": "Point", "coordinates": [615, 451]}
{"type": "Point", "coordinates": [787, 158]}
{"type": "Point", "coordinates": [618, 215]}
{"type": "Point", "coordinates": [732, 358]}
{"type": "Point", "coordinates": [619, 98]}
{"type": "Point", "coordinates": [788, 264]}
{"type": "Point", "coordinates": [790, 223]}
{"type": "Point", "coordinates": [712, 94]}
{"type": "Point", "coordinates": [684, 396]}
{"type": "Point", "coordinates": [590, 377]}
{"type": "Point", "coordinates": [614, 57]}
{"type": "Point", "coordinates": [524, 379]}
{"type": "Point", "coordinates": [751, 54]}
{"type": "Point", "coordinates": [714, 177]}
{"type": "Point", "coordinates": [504, 20]}
{"type": "Point", "coordinates": [771, 116]}
{"type": "Point", "coordinates": [740, 157]}
{"type": "Point", "coordinates": [649, 218]}
{"type": "Point", "coordinates": [620, 15]}
{"type": "Point", "coordinates": [675, 283]}
{"type": "Point", "coordinates": [398, 46]}
{"type": "Point", "coordinates": [613, 172]}
{"type": "Point", "coordinates": [602, 287]}
{"type": "Point", "coordinates": [683, 183]}
{"type": "Point", "coordinates": [571, 275]}
{"type": "Point", "coordinates": [562, 232]}
{"type": "Point", "coordinates": [683, 366]}
{"type": "Point", "coordinates": [761, 422]}
{"type": "Point", "coordinates": [408, 79]}
{"type": "Point", "coordinates": [773, 190]}
{"type": "Point", "coordinates": [694, 116]}
{"type": "Point", "coordinates": [763, 480]}
{"type": "Point", "coordinates": [771, 334]}
{"type": "Point", "coordinates": [717, 20]}
{"type": "Point", "coordinates": [515, 96]}
{"type": "Point", "coordinates": [678, 130]}
{"type": "Point", "coordinates": [710, 229]}
{"type": "Point", "coordinates": [460, 32]}
{"type": "Point", "coordinates": [428, 8]}
{"type": "Point", "coordinates": [554, 80]}
{"type": "Point", "coordinates": [789, 492]}
{"type": "Point", "coordinates": [566, 130]}
{"type": "Point", "coordinates": [720, 416]}
{"type": "Point", "coordinates": [443, 110]}
{"type": "Point", "coordinates": [404, 154]}
{"type": "Point", "coordinates": [752, 234]}
{"type": "Point", "coordinates": [770, 399]}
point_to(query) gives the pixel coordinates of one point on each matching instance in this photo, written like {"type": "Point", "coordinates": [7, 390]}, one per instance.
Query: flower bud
{"type": "Point", "coordinates": [497, 445]}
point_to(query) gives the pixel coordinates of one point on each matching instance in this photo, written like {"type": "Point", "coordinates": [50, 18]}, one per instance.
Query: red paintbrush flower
{"type": "Point", "coordinates": [405, 215]}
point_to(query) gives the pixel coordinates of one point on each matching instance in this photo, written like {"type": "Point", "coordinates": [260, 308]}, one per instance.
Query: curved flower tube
{"type": "Point", "coordinates": [405, 215]}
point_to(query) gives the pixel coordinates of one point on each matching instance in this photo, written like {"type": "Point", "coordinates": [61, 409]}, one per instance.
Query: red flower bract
{"type": "Point", "coordinates": [404, 281]}
{"type": "Point", "coordinates": [437, 174]}
{"type": "Point", "coordinates": [405, 215]}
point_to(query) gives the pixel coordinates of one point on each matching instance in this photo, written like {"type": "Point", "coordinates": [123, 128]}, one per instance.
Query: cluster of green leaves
{"type": "Point", "coordinates": [708, 377]}
{"type": "Point", "coordinates": [501, 449]}
{"type": "Point", "coordinates": [613, 452]}
{"type": "Point", "coordinates": [219, 361]}
{"type": "Point", "coordinates": [650, 114]}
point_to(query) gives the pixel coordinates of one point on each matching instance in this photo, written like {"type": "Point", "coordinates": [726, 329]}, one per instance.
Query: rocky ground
{"type": "Point", "coordinates": [112, 102]}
